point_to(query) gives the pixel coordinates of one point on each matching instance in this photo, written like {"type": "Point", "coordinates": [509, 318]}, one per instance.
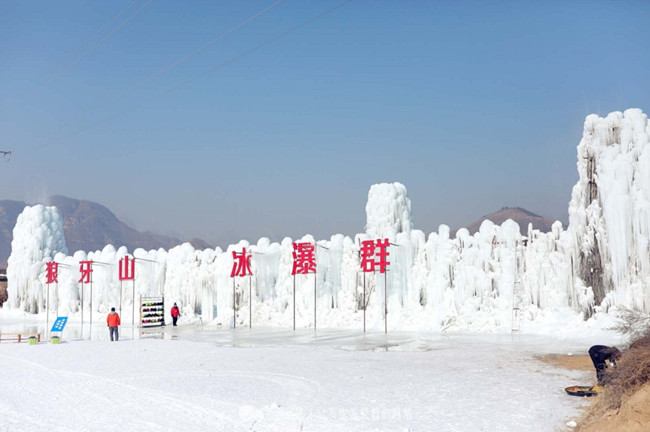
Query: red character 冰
{"type": "Point", "coordinates": [242, 264]}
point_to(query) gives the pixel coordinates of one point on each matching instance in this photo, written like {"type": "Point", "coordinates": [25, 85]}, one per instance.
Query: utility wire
{"type": "Point", "coordinates": [169, 66]}
{"type": "Point", "coordinates": [216, 68]}
{"type": "Point", "coordinates": [89, 50]}
{"type": "Point", "coordinates": [69, 54]}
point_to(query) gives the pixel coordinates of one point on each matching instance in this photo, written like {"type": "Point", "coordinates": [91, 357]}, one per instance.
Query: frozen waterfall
{"type": "Point", "coordinates": [434, 283]}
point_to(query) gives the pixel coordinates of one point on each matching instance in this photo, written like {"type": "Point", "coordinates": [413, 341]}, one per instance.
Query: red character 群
{"type": "Point", "coordinates": [369, 251]}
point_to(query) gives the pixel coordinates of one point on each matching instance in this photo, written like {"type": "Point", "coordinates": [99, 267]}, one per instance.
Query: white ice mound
{"type": "Point", "coordinates": [37, 237]}
{"type": "Point", "coordinates": [388, 210]}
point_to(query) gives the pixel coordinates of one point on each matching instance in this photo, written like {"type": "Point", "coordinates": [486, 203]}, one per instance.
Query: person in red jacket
{"type": "Point", "coordinates": [113, 320]}
{"type": "Point", "coordinates": [175, 313]}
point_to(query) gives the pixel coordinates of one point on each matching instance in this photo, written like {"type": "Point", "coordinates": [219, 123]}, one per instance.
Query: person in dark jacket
{"type": "Point", "coordinates": [175, 313]}
{"type": "Point", "coordinates": [113, 320]}
{"type": "Point", "coordinates": [599, 355]}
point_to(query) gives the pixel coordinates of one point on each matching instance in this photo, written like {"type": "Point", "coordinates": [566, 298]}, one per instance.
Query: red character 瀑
{"type": "Point", "coordinates": [304, 258]}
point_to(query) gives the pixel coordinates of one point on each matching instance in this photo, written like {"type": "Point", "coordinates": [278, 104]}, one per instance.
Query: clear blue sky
{"type": "Point", "coordinates": [473, 106]}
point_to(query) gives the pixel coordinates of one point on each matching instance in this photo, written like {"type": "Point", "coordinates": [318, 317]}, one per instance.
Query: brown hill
{"type": "Point", "coordinates": [522, 216]}
{"type": "Point", "coordinates": [87, 226]}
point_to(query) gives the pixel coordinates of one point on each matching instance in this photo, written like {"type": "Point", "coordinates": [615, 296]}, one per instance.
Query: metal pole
{"type": "Point", "coordinates": [82, 310]}
{"type": "Point", "coordinates": [90, 333]}
{"type": "Point", "coordinates": [133, 306]}
{"type": "Point", "coordinates": [57, 299]}
{"type": "Point", "coordinates": [47, 309]}
{"type": "Point", "coordinates": [234, 311]}
{"type": "Point", "coordinates": [250, 302]}
{"type": "Point", "coordinates": [121, 298]}
{"type": "Point", "coordinates": [385, 304]}
{"type": "Point", "coordinates": [315, 280]}
{"type": "Point", "coordinates": [294, 302]}
{"type": "Point", "coordinates": [364, 302]}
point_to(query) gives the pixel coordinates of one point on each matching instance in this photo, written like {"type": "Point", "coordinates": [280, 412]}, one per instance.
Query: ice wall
{"type": "Point", "coordinates": [37, 237]}
{"type": "Point", "coordinates": [434, 282]}
{"type": "Point", "coordinates": [609, 212]}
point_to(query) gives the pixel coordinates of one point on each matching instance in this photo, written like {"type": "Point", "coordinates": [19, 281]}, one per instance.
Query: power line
{"type": "Point", "coordinates": [69, 54]}
{"type": "Point", "coordinates": [216, 68]}
{"type": "Point", "coordinates": [89, 50]}
{"type": "Point", "coordinates": [169, 66]}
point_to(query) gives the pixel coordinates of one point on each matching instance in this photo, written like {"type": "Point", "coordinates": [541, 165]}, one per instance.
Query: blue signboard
{"type": "Point", "coordinates": [59, 324]}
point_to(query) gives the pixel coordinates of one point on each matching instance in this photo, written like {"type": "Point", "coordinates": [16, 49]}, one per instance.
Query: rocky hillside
{"type": "Point", "coordinates": [87, 226]}
{"type": "Point", "coordinates": [9, 211]}
{"type": "Point", "coordinates": [522, 216]}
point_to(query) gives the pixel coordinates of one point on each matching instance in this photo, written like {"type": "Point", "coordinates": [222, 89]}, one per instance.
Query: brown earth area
{"type": "Point", "coordinates": [632, 416]}
{"type": "Point", "coordinates": [3, 292]}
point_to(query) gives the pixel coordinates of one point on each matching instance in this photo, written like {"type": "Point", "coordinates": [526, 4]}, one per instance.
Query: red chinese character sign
{"type": "Point", "coordinates": [85, 268]}
{"type": "Point", "coordinates": [374, 256]}
{"type": "Point", "coordinates": [304, 262]}
{"type": "Point", "coordinates": [304, 258]}
{"type": "Point", "coordinates": [126, 271]}
{"type": "Point", "coordinates": [241, 266]}
{"type": "Point", "coordinates": [371, 249]}
{"type": "Point", "coordinates": [127, 268]}
{"type": "Point", "coordinates": [52, 272]}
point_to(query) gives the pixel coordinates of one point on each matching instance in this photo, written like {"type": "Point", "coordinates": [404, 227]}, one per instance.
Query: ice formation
{"type": "Point", "coordinates": [38, 235]}
{"type": "Point", "coordinates": [434, 283]}
{"type": "Point", "coordinates": [388, 211]}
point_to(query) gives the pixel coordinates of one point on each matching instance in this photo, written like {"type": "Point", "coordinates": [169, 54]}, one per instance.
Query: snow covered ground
{"type": "Point", "coordinates": [196, 378]}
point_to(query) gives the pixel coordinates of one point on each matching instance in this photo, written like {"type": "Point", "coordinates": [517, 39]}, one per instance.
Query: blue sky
{"type": "Point", "coordinates": [473, 106]}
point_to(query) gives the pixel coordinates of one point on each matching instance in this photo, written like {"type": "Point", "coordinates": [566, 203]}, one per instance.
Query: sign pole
{"type": "Point", "coordinates": [315, 281]}
{"type": "Point", "coordinates": [250, 301]}
{"type": "Point", "coordinates": [90, 327]}
{"type": "Point", "coordinates": [47, 310]}
{"type": "Point", "coordinates": [385, 303]}
{"type": "Point", "coordinates": [365, 304]}
{"type": "Point", "coordinates": [121, 297]}
{"type": "Point", "coordinates": [294, 301]}
{"type": "Point", "coordinates": [82, 307]}
{"type": "Point", "coordinates": [234, 311]}
{"type": "Point", "coordinates": [133, 306]}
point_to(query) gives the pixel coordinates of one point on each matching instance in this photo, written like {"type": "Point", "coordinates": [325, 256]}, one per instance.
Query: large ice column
{"type": "Point", "coordinates": [609, 212]}
{"type": "Point", "coordinates": [37, 237]}
{"type": "Point", "coordinates": [388, 210]}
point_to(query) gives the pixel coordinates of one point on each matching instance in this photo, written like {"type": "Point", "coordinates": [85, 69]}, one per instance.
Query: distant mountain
{"type": "Point", "coordinates": [9, 211]}
{"type": "Point", "coordinates": [522, 216]}
{"type": "Point", "coordinates": [87, 226]}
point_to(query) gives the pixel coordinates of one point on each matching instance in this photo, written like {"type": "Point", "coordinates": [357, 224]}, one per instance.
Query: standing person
{"type": "Point", "coordinates": [599, 355]}
{"type": "Point", "coordinates": [175, 313]}
{"type": "Point", "coordinates": [113, 320]}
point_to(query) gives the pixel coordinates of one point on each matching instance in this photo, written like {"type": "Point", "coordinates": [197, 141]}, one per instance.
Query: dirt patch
{"type": "Point", "coordinates": [3, 292]}
{"type": "Point", "coordinates": [632, 416]}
